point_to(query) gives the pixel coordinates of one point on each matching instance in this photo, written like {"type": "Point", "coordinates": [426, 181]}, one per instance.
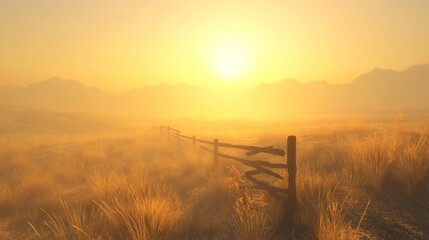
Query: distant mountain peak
{"type": "Point", "coordinates": [55, 81]}
{"type": "Point", "coordinates": [381, 70]}
{"type": "Point", "coordinates": [418, 68]}
{"type": "Point", "coordinates": [56, 84]}
{"type": "Point", "coordinates": [376, 74]}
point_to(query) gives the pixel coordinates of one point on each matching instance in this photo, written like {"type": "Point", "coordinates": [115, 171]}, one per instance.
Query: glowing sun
{"type": "Point", "coordinates": [231, 59]}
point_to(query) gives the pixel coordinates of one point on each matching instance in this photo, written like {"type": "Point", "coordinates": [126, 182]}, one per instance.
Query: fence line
{"type": "Point", "coordinates": [288, 196]}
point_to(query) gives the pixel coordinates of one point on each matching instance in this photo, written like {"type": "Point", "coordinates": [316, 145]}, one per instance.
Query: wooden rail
{"type": "Point", "coordinates": [288, 196]}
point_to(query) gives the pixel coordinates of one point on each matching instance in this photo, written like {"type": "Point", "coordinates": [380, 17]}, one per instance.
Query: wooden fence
{"type": "Point", "coordinates": [287, 196]}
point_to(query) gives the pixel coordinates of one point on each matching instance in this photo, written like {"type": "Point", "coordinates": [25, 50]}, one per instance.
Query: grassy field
{"type": "Point", "coordinates": [81, 177]}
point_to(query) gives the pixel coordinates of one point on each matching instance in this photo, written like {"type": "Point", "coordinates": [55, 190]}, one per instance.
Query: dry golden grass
{"type": "Point", "coordinates": [320, 211]}
{"type": "Point", "coordinates": [145, 186]}
{"type": "Point", "coordinates": [372, 155]}
{"type": "Point", "coordinates": [411, 165]}
{"type": "Point", "coordinates": [250, 217]}
{"type": "Point", "coordinates": [397, 154]}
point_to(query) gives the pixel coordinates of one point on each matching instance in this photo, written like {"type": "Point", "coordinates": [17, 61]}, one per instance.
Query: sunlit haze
{"type": "Point", "coordinates": [121, 45]}
{"type": "Point", "coordinates": [231, 58]}
{"type": "Point", "coordinates": [223, 119]}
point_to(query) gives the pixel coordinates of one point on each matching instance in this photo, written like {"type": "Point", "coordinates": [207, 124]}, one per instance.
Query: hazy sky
{"type": "Point", "coordinates": [123, 44]}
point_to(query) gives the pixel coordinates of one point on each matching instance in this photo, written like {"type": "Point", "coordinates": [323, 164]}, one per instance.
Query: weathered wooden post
{"type": "Point", "coordinates": [291, 203]}
{"type": "Point", "coordinates": [193, 140]}
{"type": "Point", "coordinates": [215, 151]}
{"type": "Point", "coordinates": [168, 131]}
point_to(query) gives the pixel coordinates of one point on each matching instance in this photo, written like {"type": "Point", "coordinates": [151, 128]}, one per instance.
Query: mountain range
{"type": "Point", "coordinates": [376, 90]}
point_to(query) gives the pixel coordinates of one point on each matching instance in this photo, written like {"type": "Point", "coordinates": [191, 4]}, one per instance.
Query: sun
{"type": "Point", "coordinates": [231, 58]}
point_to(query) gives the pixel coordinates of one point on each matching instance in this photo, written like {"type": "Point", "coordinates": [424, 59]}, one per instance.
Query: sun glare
{"type": "Point", "coordinates": [231, 59]}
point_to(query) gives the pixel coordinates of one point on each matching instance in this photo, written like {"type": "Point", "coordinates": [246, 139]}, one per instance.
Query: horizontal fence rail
{"type": "Point", "coordinates": [288, 196]}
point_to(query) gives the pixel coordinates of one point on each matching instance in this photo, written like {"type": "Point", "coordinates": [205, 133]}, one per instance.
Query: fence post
{"type": "Point", "coordinates": [291, 202]}
{"type": "Point", "coordinates": [160, 129]}
{"type": "Point", "coordinates": [177, 136]}
{"type": "Point", "coordinates": [193, 140]}
{"type": "Point", "coordinates": [215, 151]}
{"type": "Point", "coordinates": [168, 131]}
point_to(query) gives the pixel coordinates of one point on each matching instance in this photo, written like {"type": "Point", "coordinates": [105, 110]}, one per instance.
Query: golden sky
{"type": "Point", "coordinates": [123, 44]}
